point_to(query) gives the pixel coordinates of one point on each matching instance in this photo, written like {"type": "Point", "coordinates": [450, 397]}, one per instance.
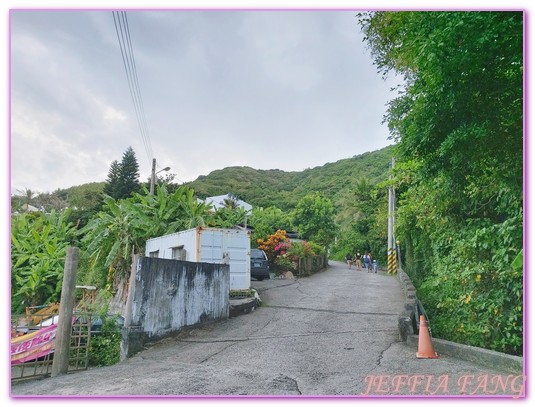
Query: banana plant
{"type": "Point", "coordinates": [38, 249]}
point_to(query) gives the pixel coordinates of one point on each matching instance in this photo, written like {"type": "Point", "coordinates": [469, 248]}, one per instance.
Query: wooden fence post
{"type": "Point", "coordinates": [60, 364]}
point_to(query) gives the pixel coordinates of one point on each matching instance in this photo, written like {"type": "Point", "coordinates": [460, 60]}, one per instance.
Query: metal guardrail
{"type": "Point", "coordinates": [420, 310]}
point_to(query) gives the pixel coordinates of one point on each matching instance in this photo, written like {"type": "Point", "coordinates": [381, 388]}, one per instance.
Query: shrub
{"type": "Point", "coordinates": [105, 346]}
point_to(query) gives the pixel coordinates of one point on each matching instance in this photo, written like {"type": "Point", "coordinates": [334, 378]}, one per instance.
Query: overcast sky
{"type": "Point", "coordinates": [267, 89]}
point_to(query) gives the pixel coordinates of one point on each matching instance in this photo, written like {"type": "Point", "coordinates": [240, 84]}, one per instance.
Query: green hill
{"type": "Point", "coordinates": [283, 189]}
{"type": "Point", "coordinates": [260, 188]}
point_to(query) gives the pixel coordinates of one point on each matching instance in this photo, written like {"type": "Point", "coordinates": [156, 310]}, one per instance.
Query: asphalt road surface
{"type": "Point", "coordinates": [330, 334]}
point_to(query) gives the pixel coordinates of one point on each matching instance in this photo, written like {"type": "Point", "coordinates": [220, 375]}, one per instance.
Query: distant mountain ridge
{"type": "Point", "coordinates": [260, 188]}
{"type": "Point", "coordinates": [264, 188]}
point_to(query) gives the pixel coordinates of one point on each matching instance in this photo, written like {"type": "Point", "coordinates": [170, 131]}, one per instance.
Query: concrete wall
{"type": "Point", "coordinates": [310, 265]}
{"type": "Point", "coordinates": [210, 245]}
{"type": "Point", "coordinates": [408, 319]}
{"type": "Point", "coordinates": [171, 294]}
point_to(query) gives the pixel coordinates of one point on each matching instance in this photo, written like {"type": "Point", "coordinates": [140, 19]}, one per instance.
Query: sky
{"type": "Point", "coordinates": [282, 89]}
{"type": "Point", "coordinates": [266, 89]}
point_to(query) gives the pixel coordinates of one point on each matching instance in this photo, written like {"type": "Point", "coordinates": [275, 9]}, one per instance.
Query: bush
{"type": "Point", "coordinates": [105, 346]}
{"type": "Point", "coordinates": [475, 292]}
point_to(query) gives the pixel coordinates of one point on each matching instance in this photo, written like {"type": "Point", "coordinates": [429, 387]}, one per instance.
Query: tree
{"type": "Point", "coordinates": [460, 111]}
{"type": "Point", "coordinates": [362, 220]}
{"type": "Point", "coordinates": [85, 202]}
{"type": "Point", "coordinates": [228, 217]}
{"type": "Point", "coordinates": [458, 121]}
{"type": "Point", "coordinates": [109, 238]}
{"type": "Point", "coordinates": [123, 177]}
{"type": "Point", "coordinates": [128, 174]}
{"type": "Point", "coordinates": [314, 219]}
{"type": "Point", "coordinates": [267, 221]}
{"type": "Point", "coordinates": [111, 187]}
{"type": "Point", "coordinates": [231, 202]}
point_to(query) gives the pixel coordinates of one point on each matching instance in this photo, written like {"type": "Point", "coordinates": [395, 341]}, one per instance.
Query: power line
{"type": "Point", "coordinates": [127, 52]}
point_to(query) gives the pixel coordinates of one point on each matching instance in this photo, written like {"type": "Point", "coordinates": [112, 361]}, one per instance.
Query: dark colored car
{"type": "Point", "coordinates": [96, 323]}
{"type": "Point", "coordinates": [259, 264]}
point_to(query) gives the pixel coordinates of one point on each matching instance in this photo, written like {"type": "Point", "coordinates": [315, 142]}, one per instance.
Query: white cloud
{"type": "Point", "coordinates": [112, 114]}
{"type": "Point", "coordinates": [277, 89]}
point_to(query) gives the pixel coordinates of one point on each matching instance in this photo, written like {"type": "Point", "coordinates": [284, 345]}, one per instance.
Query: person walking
{"type": "Point", "coordinates": [349, 260]}
{"type": "Point", "coordinates": [367, 260]}
{"type": "Point", "coordinates": [358, 261]}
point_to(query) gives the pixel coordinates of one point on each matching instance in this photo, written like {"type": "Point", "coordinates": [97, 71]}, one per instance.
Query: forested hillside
{"type": "Point", "coordinates": [265, 188]}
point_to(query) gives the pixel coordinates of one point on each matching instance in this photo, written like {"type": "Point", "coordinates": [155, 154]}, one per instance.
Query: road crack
{"type": "Point", "coordinates": [255, 338]}
{"type": "Point", "coordinates": [332, 311]}
{"type": "Point", "coordinates": [380, 357]}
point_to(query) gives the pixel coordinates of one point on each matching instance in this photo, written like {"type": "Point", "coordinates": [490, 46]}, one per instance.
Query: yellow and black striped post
{"type": "Point", "coordinates": [392, 262]}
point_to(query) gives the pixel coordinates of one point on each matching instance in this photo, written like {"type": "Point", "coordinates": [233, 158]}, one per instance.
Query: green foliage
{"type": "Point", "coordinates": [228, 217]}
{"type": "Point", "coordinates": [110, 237]}
{"type": "Point", "coordinates": [475, 293]}
{"type": "Point", "coordinates": [124, 226]}
{"type": "Point", "coordinates": [38, 249]}
{"type": "Point", "coordinates": [172, 212]}
{"type": "Point", "coordinates": [105, 347]}
{"type": "Point", "coordinates": [288, 254]}
{"type": "Point", "coordinates": [266, 222]}
{"type": "Point", "coordinates": [123, 177]}
{"type": "Point", "coordinates": [111, 187]}
{"type": "Point", "coordinates": [85, 202]}
{"type": "Point", "coordinates": [276, 188]}
{"type": "Point", "coordinates": [285, 262]}
{"type": "Point", "coordinates": [363, 218]}
{"type": "Point", "coordinates": [458, 120]}
{"type": "Point", "coordinates": [242, 293]}
{"type": "Point", "coordinates": [313, 218]}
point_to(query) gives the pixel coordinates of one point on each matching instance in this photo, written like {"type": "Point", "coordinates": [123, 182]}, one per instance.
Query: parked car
{"type": "Point", "coordinates": [96, 323]}
{"type": "Point", "coordinates": [259, 264]}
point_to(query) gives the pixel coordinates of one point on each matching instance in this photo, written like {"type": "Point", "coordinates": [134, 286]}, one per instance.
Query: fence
{"type": "Point", "coordinates": [309, 265]}
{"type": "Point", "coordinates": [33, 340]}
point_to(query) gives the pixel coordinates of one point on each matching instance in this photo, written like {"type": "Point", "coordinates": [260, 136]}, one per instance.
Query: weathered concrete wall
{"type": "Point", "coordinates": [171, 294]}
{"type": "Point", "coordinates": [310, 265]}
{"type": "Point", "coordinates": [407, 320]}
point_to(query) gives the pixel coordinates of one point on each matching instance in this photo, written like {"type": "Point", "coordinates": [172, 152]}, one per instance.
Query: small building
{"type": "Point", "coordinates": [221, 201]}
{"type": "Point", "coordinates": [208, 245]}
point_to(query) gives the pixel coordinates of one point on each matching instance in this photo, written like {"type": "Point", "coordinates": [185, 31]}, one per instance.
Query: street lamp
{"type": "Point", "coordinates": [153, 175]}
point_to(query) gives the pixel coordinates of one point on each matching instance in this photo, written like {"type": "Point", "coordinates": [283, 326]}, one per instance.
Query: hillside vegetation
{"type": "Point", "coordinates": [265, 188]}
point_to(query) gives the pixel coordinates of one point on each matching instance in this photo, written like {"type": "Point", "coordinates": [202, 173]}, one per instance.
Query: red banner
{"type": "Point", "coordinates": [32, 346]}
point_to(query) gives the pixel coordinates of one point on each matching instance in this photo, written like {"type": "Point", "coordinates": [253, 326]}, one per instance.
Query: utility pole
{"type": "Point", "coordinates": [153, 176]}
{"type": "Point", "coordinates": [392, 264]}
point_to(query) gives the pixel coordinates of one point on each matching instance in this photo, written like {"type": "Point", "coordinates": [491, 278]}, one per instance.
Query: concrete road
{"type": "Point", "coordinates": [331, 334]}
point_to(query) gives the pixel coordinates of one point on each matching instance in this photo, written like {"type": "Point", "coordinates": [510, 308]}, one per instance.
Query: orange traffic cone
{"type": "Point", "coordinates": [425, 346]}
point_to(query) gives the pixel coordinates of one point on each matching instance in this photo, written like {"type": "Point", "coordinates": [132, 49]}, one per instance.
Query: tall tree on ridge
{"type": "Point", "coordinates": [112, 182]}
{"type": "Point", "coordinates": [123, 177]}
{"type": "Point", "coordinates": [128, 174]}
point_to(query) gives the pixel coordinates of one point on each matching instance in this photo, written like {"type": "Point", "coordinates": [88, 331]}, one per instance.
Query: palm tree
{"type": "Point", "coordinates": [27, 195]}
{"type": "Point", "coordinates": [231, 202]}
